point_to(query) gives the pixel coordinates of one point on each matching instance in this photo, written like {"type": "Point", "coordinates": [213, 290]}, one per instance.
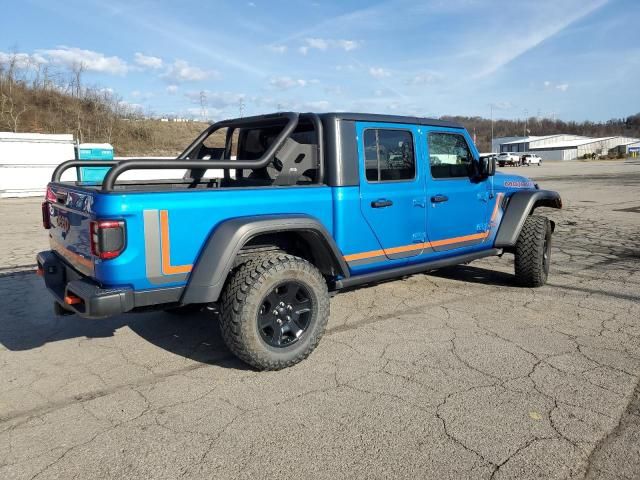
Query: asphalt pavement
{"type": "Point", "coordinates": [455, 374]}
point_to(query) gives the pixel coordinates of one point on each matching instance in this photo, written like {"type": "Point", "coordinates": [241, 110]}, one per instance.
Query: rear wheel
{"type": "Point", "coordinates": [533, 252]}
{"type": "Point", "coordinates": [275, 308]}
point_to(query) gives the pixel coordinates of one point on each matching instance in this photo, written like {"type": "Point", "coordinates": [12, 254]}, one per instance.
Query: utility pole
{"type": "Point", "coordinates": [203, 104]}
{"type": "Point", "coordinates": [526, 122]}
{"type": "Point", "coordinates": [241, 107]}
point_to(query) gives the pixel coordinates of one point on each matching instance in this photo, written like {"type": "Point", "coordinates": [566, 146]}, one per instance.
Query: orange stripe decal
{"type": "Point", "coordinates": [436, 243]}
{"type": "Point", "coordinates": [416, 246]}
{"type": "Point", "coordinates": [495, 209]}
{"type": "Point", "coordinates": [465, 238]}
{"type": "Point", "coordinates": [167, 268]}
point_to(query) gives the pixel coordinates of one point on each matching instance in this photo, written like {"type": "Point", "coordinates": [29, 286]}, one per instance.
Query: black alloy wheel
{"type": "Point", "coordinates": [285, 314]}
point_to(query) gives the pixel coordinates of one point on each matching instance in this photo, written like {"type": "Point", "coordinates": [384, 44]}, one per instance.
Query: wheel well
{"type": "Point", "coordinates": [305, 244]}
{"type": "Point", "coordinates": [547, 202]}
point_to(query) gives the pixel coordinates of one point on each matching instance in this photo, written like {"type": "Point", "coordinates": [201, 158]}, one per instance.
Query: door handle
{"type": "Point", "coordinates": [381, 203]}
{"type": "Point", "coordinates": [439, 198]}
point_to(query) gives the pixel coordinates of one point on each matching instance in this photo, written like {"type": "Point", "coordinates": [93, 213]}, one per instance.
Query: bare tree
{"type": "Point", "coordinates": [12, 103]}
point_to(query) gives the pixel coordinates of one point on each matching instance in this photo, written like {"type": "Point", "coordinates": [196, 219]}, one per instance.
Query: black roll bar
{"type": "Point", "coordinates": [64, 166]}
{"type": "Point", "coordinates": [140, 164]}
{"type": "Point", "coordinates": [181, 162]}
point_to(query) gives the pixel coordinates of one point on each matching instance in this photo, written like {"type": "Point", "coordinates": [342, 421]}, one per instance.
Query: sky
{"type": "Point", "coordinates": [565, 59]}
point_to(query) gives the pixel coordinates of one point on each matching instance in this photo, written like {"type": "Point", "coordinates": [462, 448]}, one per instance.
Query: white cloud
{"type": "Point", "coordinates": [88, 59]}
{"type": "Point", "coordinates": [286, 83]}
{"type": "Point", "coordinates": [180, 71]}
{"type": "Point", "coordinates": [324, 44]}
{"type": "Point", "coordinates": [379, 72]}
{"type": "Point", "coordinates": [147, 61]}
{"type": "Point", "coordinates": [22, 60]}
{"type": "Point", "coordinates": [547, 20]}
{"type": "Point", "coordinates": [563, 87]}
{"type": "Point", "coordinates": [141, 95]}
{"type": "Point", "coordinates": [172, 89]}
{"type": "Point", "coordinates": [423, 78]}
{"type": "Point", "coordinates": [216, 100]}
{"type": "Point", "coordinates": [334, 90]}
{"type": "Point", "coordinates": [318, 43]}
{"type": "Point", "coordinates": [348, 45]}
{"type": "Point", "coordinates": [502, 105]}
{"type": "Point", "coordinates": [131, 107]}
{"type": "Point", "coordinates": [277, 48]}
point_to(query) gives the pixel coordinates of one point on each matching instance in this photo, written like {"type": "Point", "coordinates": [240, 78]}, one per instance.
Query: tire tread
{"type": "Point", "coordinates": [242, 285]}
{"type": "Point", "coordinates": [529, 250]}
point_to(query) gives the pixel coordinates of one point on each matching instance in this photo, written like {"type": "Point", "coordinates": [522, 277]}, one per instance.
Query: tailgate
{"type": "Point", "coordinates": [70, 217]}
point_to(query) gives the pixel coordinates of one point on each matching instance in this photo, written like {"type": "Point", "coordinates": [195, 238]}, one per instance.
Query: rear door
{"type": "Point", "coordinates": [458, 202]}
{"type": "Point", "coordinates": [392, 191]}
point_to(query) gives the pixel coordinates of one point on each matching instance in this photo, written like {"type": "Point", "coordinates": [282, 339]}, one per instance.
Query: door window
{"type": "Point", "coordinates": [449, 155]}
{"type": "Point", "coordinates": [388, 155]}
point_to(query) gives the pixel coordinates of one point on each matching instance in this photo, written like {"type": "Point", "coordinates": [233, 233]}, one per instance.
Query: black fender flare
{"type": "Point", "coordinates": [520, 205]}
{"type": "Point", "coordinates": [218, 256]}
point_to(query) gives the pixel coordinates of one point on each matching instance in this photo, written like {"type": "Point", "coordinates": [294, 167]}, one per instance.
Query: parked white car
{"type": "Point", "coordinates": [531, 159]}
{"type": "Point", "coordinates": [508, 158]}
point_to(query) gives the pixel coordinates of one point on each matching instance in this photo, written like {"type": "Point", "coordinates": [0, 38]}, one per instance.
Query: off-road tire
{"type": "Point", "coordinates": [533, 252]}
{"type": "Point", "coordinates": [242, 298]}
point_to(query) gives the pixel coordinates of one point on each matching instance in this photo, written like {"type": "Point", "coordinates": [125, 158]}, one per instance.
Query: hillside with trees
{"type": "Point", "coordinates": [629, 127]}
{"type": "Point", "coordinates": [34, 98]}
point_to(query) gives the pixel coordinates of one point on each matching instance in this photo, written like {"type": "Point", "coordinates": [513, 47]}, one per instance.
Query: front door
{"type": "Point", "coordinates": [392, 191]}
{"type": "Point", "coordinates": [458, 202]}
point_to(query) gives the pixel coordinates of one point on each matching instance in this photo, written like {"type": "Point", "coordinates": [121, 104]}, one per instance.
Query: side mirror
{"type": "Point", "coordinates": [487, 166]}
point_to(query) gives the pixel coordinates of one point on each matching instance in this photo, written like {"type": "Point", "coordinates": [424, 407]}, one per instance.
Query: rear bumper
{"type": "Point", "coordinates": [92, 301]}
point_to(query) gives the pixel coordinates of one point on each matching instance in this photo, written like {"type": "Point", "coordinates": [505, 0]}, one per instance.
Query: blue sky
{"type": "Point", "coordinates": [572, 59]}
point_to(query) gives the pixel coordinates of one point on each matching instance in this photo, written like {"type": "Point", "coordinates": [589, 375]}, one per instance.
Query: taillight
{"type": "Point", "coordinates": [107, 238]}
{"type": "Point", "coordinates": [46, 216]}
{"type": "Point", "coordinates": [49, 196]}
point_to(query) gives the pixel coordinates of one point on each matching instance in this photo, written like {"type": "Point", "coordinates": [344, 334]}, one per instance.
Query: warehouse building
{"type": "Point", "coordinates": [564, 146]}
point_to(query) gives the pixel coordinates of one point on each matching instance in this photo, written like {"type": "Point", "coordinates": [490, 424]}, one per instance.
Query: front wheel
{"type": "Point", "coordinates": [275, 308]}
{"type": "Point", "coordinates": [533, 252]}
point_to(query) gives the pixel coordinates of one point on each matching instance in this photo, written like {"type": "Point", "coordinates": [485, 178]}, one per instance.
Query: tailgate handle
{"type": "Point", "coordinates": [61, 197]}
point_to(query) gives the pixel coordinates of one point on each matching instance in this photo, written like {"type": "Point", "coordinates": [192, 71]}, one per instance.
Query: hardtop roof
{"type": "Point", "coordinates": [358, 117]}
{"type": "Point", "coordinates": [382, 118]}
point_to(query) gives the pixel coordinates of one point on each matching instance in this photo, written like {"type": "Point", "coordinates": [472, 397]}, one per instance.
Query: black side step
{"type": "Point", "coordinates": [397, 272]}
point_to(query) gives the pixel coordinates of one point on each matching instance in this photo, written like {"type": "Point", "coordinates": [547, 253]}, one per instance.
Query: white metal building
{"type": "Point", "coordinates": [27, 161]}
{"type": "Point", "coordinates": [562, 146]}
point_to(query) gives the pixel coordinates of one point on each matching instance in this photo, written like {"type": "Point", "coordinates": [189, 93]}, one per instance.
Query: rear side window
{"type": "Point", "coordinates": [449, 155]}
{"type": "Point", "coordinates": [389, 155]}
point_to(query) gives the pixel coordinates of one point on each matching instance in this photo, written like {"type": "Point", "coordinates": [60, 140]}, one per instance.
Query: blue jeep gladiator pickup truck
{"type": "Point", "coordinates": [278, 211]}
